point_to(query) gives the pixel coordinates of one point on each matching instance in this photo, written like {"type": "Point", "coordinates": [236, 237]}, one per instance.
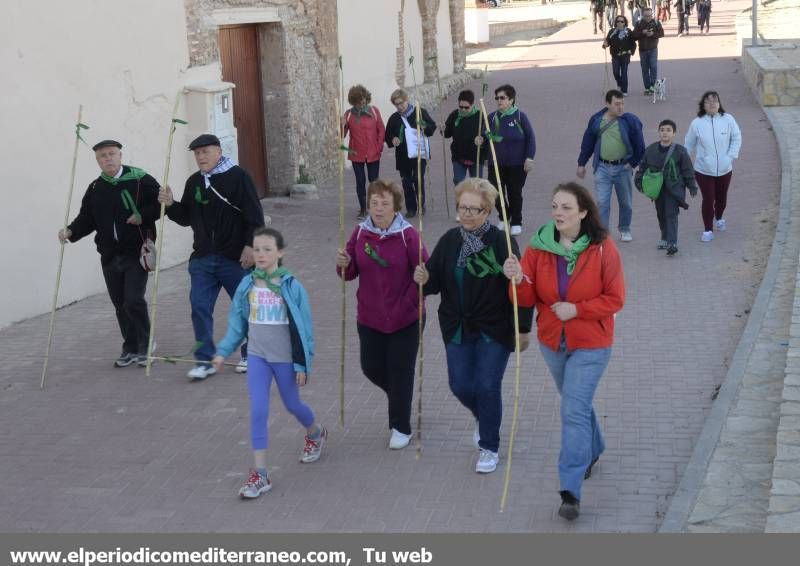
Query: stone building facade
{"type": "Point", "coordinates": [299, 44]}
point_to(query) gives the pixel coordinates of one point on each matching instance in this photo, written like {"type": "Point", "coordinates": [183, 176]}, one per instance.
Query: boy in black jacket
{"type": "Point", "coordinates": [678, 176]}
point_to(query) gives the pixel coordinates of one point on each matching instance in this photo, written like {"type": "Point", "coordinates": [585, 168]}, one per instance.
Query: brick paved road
{"type": "Point", "coordinates": [109, 450]}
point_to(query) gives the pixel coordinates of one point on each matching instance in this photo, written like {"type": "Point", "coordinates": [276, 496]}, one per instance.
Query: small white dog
{"type": "Point", "coordinates": [660, 90]}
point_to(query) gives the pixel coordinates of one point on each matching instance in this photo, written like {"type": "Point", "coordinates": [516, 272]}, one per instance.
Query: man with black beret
{"type": "Point", "coordinates": [220, 203]}
{"type": "Point", "coordinates": [120, 207]}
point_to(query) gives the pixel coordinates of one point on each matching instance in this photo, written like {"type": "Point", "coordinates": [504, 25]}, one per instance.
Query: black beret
{"type": "Point", "coordinates": [204, 140]}
{"type": "Point", "coordinates": [106, 143]}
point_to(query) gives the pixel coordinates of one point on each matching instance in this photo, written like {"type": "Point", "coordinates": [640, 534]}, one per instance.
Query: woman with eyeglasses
{"type": "Point", "coordinates": [475, 312]}
{"type": "Point", "coordinates": [515, 145]}
{"type": "Point", "coordinates": [401, 134]}
{"type": "Point", "coordinates": [623, 46]}
{"type": "Point", "coordinates": [462, 125]}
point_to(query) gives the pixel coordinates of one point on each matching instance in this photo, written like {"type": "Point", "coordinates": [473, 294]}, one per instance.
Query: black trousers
{"type": "Point", "coordinates": [126, 282]}
{"type": "Point", "coordinates": [411, 185]}
{"type": "Point", "coordinates": [667, 210]}
{"type": "Point", "coordinates": [388, 361]}
{"type": "Point", "coordinates": [513, 179]}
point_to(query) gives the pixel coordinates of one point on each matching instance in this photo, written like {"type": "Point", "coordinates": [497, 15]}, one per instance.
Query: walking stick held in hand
{"type": "Point", "coordinates": [78, 127]}
{"type": "Point", "coordinates": [480, 119]}
{"type": "Point", "coordinates": [421, 298]}
{"type": "Point", "coordinates": [164, 183]}
{"type": "Point", "coordinates": [442, 110]}
{"type": "Point", "coordinates": [516, 311]}
{"type": "Point", "coordinates": [341, 149]}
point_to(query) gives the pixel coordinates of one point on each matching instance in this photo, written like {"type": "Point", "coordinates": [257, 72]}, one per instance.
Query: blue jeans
{"type": "Point", "coordinates": [620, 178]}
{"type": "Point", "coordinates": [208, 275]}
{"type": "Point", "coordinates": [475, 370]}
{"type": "Point", "coordinates": [620, 67]}
{"type": "Point", "coordinates": [461, 171]}
{"type": "Point", "coordinates": [373, 169]}
{"type": "Point", "coordinates": [649, 61]}
{"type": "Point", "coordinates": [576, 375]}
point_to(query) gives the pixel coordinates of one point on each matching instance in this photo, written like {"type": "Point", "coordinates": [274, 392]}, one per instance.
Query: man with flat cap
{"type": "Point", "coordinates": [121, 208]}
{"type": "Point", "coordinates": [220, 203]}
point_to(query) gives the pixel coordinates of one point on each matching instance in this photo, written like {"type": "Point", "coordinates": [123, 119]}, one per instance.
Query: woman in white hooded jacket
{"type": "Point", "coordinates": [714, 138]}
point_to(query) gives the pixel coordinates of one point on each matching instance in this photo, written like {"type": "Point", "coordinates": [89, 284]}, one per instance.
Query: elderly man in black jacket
{"type": "Point", "coordinates": [220, 203]}
{"type": "Point", "coordinates": [120, 207]}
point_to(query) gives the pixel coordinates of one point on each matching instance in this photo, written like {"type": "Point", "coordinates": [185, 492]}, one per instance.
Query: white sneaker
{"type": "Point", "coordinates": [399, 440]}
{"type": "Point", "coordinates": [625, 237]}
{"type": "Point", "coordinates": [707, 236]}
{"type": "Point", "coordinates": [476, 437]}
{"type": "Point", "coordinates": [487, 462]}
{"type": "Point", "coordinates": [516, 230]}
{"type": "Point", "coordinates": [721, 225]}
{"type": "Point", "coordinates": [241, 367]}
{"type": "Point", "coordinates": [501, 226]}
{"type": "Point", "coordinates": [200, 372]}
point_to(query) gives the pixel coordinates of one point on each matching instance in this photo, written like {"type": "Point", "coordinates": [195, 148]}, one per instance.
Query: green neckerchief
{"type": "Point", "coordinates": [133, 175]}
{"type": "Point", "coordinates": [367, 111]}
{"type": "Point", "coordinates": [486, 261]}
{"type": "Point", "coordinates": [372, 253]}
{"type": "Point", "coordinates": [467, 114]}
{"type": "Point", "coordinates": [198, 196]}
{"type": "Point", "coordinates": [268, 277]}
{"type": "Point", "coordinates": [545, 239]}
{"type": "Point", "coordinates": [496, 137]}
{"type": "Point", "coordinates": [127, 201]}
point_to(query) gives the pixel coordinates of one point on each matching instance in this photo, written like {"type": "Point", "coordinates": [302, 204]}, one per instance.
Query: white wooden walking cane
{"type": "Point", "coordinates": [78, 127]}
{"type": "Point", "coordinates": [442, 100]}
{"type": "Point", "coordinates": [164, 183]}
{"type": "Point", "coordinates": [507, 480]}
{"type": "Point", "coordinates": [421, 297]}
{"type": "Point", "coordinates": [341, 149]}
{"type": "Point", "coordinates": [484, 87]}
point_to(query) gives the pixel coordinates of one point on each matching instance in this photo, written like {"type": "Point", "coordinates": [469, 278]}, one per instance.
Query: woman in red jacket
{"type": "Point", "coordinates": [572, 274]}
{"type": "Point", "coordinates": [365, 125]}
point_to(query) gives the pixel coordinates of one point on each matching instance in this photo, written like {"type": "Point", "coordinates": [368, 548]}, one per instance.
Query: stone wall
{"type": "Point", "coordinates": [773, 72]}
{"type": "Point", "coordinates": [299, 56]}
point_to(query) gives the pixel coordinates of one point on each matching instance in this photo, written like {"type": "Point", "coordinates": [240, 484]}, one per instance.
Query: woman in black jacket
{"type": "Point", "coordinates": [463, 126]}
{"type": "Point", "coordinates": [622, 44]}
{"type": "Point", "coordinates": [475, 313]}
{"type": "Point", "coordinates": [402, 127]}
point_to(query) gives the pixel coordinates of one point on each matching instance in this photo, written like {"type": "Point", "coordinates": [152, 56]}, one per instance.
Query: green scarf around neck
{"type": "Point", "coordinates": [545, 239]}
{"type": "Point", "coordinates": [134, 174]}
{"type": "Point", "coordinates": [494, 134]}
{"type": "Point", "coordinates": [268, 277]}
{"type": "Point", "coordinates": [467, 114]}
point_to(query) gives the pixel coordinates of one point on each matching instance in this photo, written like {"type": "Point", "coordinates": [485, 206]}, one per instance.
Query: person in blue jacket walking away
{"type": "Point", "coordinates": [272, 308]}
{"type": "Point", "coordinates": [615, 139]}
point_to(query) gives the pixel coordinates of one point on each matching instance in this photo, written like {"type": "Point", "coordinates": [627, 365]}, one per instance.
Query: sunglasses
{"type": "Point", "coordinates": [620, 22]}
{"type": "Point", "coordinates": [501, 98]}
{"type": "Point", "coordinates": [463, 107]}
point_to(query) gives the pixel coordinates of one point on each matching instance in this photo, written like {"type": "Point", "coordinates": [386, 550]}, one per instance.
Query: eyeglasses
{"type": "Point", "coordinates": [463, 107]}
{"type": "Point", "coordinates": [398, 102]}
{"type": "Point", "coordinates": [501, 97]}
{"type": "Point", "coordinates": [470, 210]}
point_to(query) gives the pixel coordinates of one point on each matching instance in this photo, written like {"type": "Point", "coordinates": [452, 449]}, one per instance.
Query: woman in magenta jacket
{"type": "Point", "coordinates": [383, 251]}
{"type": "Point", "coordinates": [365, 126]}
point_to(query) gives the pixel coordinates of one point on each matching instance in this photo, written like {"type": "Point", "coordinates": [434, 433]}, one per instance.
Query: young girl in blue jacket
{"type": "Point", "coordinates": [272, 308]}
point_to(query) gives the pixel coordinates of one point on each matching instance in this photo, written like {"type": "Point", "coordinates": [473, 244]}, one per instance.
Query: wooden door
{"type": "Point", "coordinates": [241, 65]}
